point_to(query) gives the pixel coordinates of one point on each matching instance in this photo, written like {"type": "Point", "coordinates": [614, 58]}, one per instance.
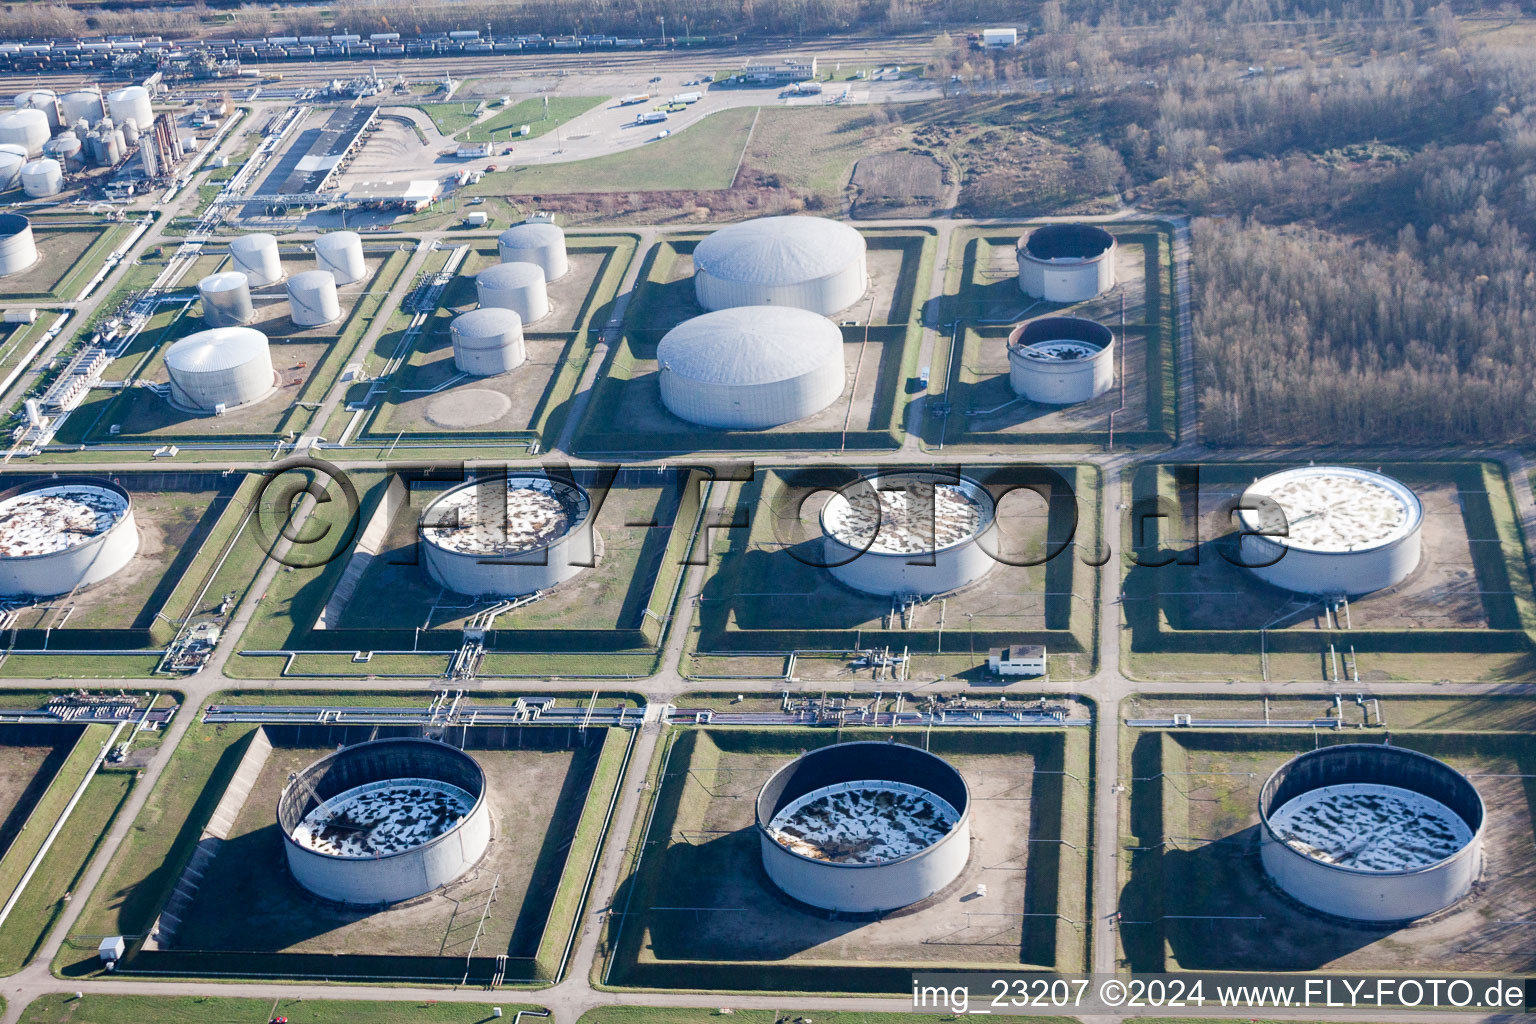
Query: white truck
{"type": "Point", "coordinates": [633, 98]}
{"type": "Point", "coordinates": [651, 117]}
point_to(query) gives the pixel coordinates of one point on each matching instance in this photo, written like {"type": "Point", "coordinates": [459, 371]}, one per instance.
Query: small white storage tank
{"type": "Point", "coordinates": [42, 178]}
{"type": "Point", "coordinates": [223, 366]}
{"type": "Point", "coordinates": [130, 132]}
{"type": "Point", "coordinates": [83, 104]}
{"type": "Point", "coordinates": [536, 241]}
{"type": "Point", "coordinates": [18, 249]}
{"type": "Point", "coordinates": [65, 148]}
{"type": "Point", "coordinates": [1066, 262]}
{"type": "Point", "coordinates": [10, 169]}
{"type": "Point", "coordinates": [61, 534]}
{"type": "Point", "coordinates": [45, 100]}
{"type": "Point", "coordinates": [257, 258]}
{"type": "Point", "coordinates": [133, 102]}
{"type": "Point", "coordinates": [1060, 360]}
{"type": "Point", "coordinates": [751, 367]}
{"type": "Point", "coordinates": [1330, 530]}
{"type": "Point", "coordinates": [809, 262]}
{"type": "Point", "coordinates": [226, 299]}
{"type": "Point", "coordinates": [341, 253]}
{"type": "Point", "coordinates": [25, 128]}
{"type": "Point", "coordinates": [312, 298]}
{"type": "Point", "coordinates": [505, 536]}
{"type": "Point", "coordinates": [909, 533]}
{"type": "Point", "coordinates": [488, 341]}
{"type": "Point", "coordinates": [519, 287]}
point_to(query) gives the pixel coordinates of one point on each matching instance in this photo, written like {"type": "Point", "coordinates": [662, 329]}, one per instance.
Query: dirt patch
{"type": "Point", "coordinates": [901, 184]}
{"type": "Point", "coordinates": [472, 407]}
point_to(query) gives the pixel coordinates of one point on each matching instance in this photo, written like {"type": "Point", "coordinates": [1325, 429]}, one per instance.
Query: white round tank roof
{"type": "Point", "coordinates": [221, 348]}
{"type": "Point", "coordinates": [253, 243]}
{"type": "Point", "coordinates": [750, 345]}
{"type": "Point", "coordinates": [510, 275]}
{"type": "Point", "coordinates": [1332, 508]}
{"type": "Point", "coordinates": [778, 250]}
{"type": "Point", "coordinates": [487, 321]}
{"type": "Point", "coordinates": [224, 280]}
{"type": "Point", "coordinates": [531, 235]}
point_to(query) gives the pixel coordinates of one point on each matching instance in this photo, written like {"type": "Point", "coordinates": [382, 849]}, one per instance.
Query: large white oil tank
{"type": "Point", "coordinates": [1061, 360]}
{"type": "Point", "coordinates": [519, 287]}
{"type": "Point", "coordinates": [25, 128]}
{"type": "Point", "coordinates": [488, 341]}
{"type": "Point", "coordinates": [312, 298]}
{"type": "Point", "coordinates": [18, 249]}
{"type": "Point", "coordinates": [909, 533]}
{"type": "Point", "coordinates": [10, 169]}
{"type": "Point", "coordinates": [42, 178]}
{"type": "Point", "coordinates": [133, 102]}
{"type": "Point", "coordinates": [226, 299]}
{"type": "Point", "coordinates": [809, 262]}
{"type": "Point", "coordinates": [341, 253]}
{"type": "Point", "coordinates": [83, 104]}
{"type": "Point", "coordinates": [1066, 262]}
{"type": "Point", "coordinates": [751, 367]}
{"type": "Point", "coordinates": [221, 367]}
{"type": "Point", "coordinates": [256, 257]}
{"type": "Point", "coordinates": [45, 100]}
{"type": "Point", "coordinates": [536, 241]}
{"type": "Point", "coordinates": [61, 534]}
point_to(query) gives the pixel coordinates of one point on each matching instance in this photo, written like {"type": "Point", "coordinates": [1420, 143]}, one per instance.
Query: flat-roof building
{"type": "Point", "coordinates": [1017, 660]}
{"type": "Point", "coordinates": [779, 72]}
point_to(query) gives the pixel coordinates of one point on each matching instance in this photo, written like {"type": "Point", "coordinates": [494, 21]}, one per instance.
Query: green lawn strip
{"type": "Point", "coordinates": [237, 571]}
{"type": "Point", "coordinates": [583, 851]}
{"type": "Point", "coordinates": [75, 665]}
{"type": "Point", "coordinates": [450, 118]}
{"type": "Point", "coordinates": [89, 262]}
{"type": "Point", "coordinates": [701, 157]}
{"type": "Point", "coordinates": [43, 899]}
{"type": "Point", "coordinates": [49, 806]}
{"type": "Point", "coordinates": [64, 1008]}
{"type": "Point", "coordinates": [705, 1015]}
{"type": "Point", "coordinates": [409, 699]}
{"type": "Point", "coordinates": [539, 118]}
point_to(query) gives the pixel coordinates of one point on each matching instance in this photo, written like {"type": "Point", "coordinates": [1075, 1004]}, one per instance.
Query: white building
{"type": "Point", "coordinates": [1017, 660]}
{"type": "Point", "coordinates": [779, 72]}
{"type": "Point", "coordinates": [999, 37]}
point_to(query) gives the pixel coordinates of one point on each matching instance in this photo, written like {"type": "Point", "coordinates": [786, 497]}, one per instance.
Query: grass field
{"type": "Point", "coordinates": [541, 114]}
{"type": "Point", "coordinates": [45, 814]}
{"type": "Point", "coordinates": [450, 118]}
{"type": "Point", "coordinates": [699, 158]}
{"type": "Point", "coordinates": [702, 1015]}
{"type": "Point", "coordinates": [63, 1008]}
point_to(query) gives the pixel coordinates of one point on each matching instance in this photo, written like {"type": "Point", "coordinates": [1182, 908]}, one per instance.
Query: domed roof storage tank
{"type": "Point", "coordinates": [519, 287]}
{"type": "Point", "coordinates": [256, 257]}
{"type": "Point", "coordinates": [45, 100]}
{"type": "Point", "coordinates": [60, 534]}
{"type": "Point", "coordinates": [132, 101]}
{"type": "Point", "coordinates": [224, 366]}
{"type": "Point", "coordinates": [226, 299]}
{"type": "Point", "coordinates": [65, 148]}
{"type": "Point", "coordinates": [10, 169]}
{"type": "Point", "coordinates": [25, 128]}
{"type": "Point", "coordinates": [809, 262]}
{"type": "Point", "coordinates": [536, 241]}
{"type": "Point", "coordinates": [751, 367]}
{"type": "Point", "coordinates": [1066, 262]}
{"type": "Point", "coordinates": [864, 827]}
{"type": "Point", "coordinates": [18, 250]}
{"type": "Point", "coordinates": [385, 820]}
{"type": "Point", "coordinates": [42, 178]}
{"type": "Point", "coordinates": [1330, 530]}
{"type": "Point", "coordinates": [1371, 832]}
{"type": "Point", "coordinates": [909, 533]}
{"type": "Point", "coordinates": [83, 104]}
{"type": "Point", "coordinates": [1059, 360]}
{"type": "Point", "coordinates": [488, 341]}
{"type": "Point", "coordinates": [341, 254]}
{"type": "Point", "coordinates": [504, 536]}
{"type": "Point", "coordinates": [312, 300]}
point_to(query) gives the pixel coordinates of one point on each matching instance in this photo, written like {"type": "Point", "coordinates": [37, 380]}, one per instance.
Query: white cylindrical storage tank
{"type": "Point", "coordinates": [488, 341]}
{"type": "Point", "coordinates": [909, 533]}
{"type": "Point", "coordinates": [1059, 360]}
{"type": "Point", "coordinates": [62, 534]}
{"type": "Point", "coordinates": [864, 827]}
{"type": "Point", "coordinates": [25, 128]}
{"type": "Point", "coordinates": [1330, 530]}
{"type": "Point", "coordinates": [226, 299]}
{"type": "Point", "coordinates": [504, 536]}
{"type": "Point", "coordinates": [1371, 832]}
{"type": "Point", "coordinates": [133, 102]}
{"type": "Point", "coordinates": [341, 253]}
{"type": "Point", "coordinates": [385, 820]}
{"type": "Point", "coordinates": [18, 249]}
{"type": "Point", "coordinates": [223, 366]}
{"type": "Point", "coordinates": [538, 242]}
{"type": "Point", "coordinates": [44, 100]}
{"type": "Point", "coordinates": [64, 148]}
{"type": "Point", "coordinates": [10, 169]}
{"type": "Point", "coordinates": [751, 367]}
{"type": "Point", "coordinates": [809, 262]}
{"type": "Point", "coordinates": [256, 257]}
{"type": "Point", "coordinates": [312, 300]}
{"type": "Point", "coordinates": [1066, 262]}
{"type": "Point", "coordinates": [42, 178]}
{"type": "Point", "coordinates": [83, 104]}
{"type": "Point", "coordinates": [519, 287]}
{"type": "Point", "coordinates": [130, 130]}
